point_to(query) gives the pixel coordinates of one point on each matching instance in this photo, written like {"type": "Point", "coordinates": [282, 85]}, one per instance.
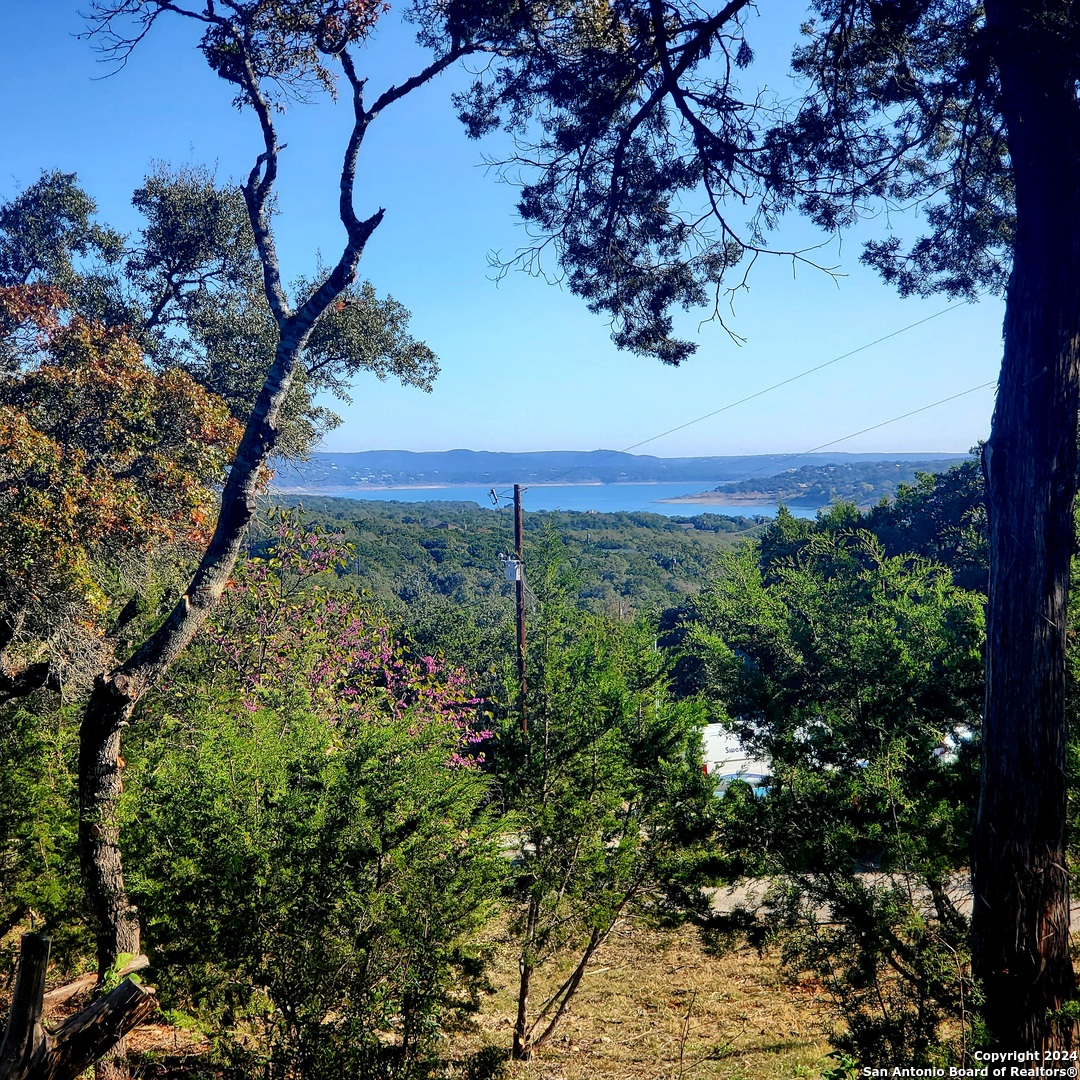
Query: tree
{"type": "Point", "coordinates": [190, 273]}
{"type": "Point", "coordinates": [997, 121]}
{"type": "Point", "coordinates": [108, 469]}
{"type": "Point", "coordinates": [187, 287]}
{"type": "Point", "coordinates": [605, 794]}
{"type": "Point", "coordinates": [968, 112]}
{"type": "Point", "coordinates": [941, 517]}
{"type": "Point", "coordinates": [38, 831]}
{"type": "Point", "coordinates": [116, 432]}
{"type": "Point", "coordinates": [308, 830]}
{"type": "Point", "coordinates": [858, 677]}
{"type": "Point", "coordinates": [47, 230]}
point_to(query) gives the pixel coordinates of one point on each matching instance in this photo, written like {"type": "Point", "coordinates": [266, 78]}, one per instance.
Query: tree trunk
{"type": "Point", "coordinates": [116, 924]}
{"type": "Point", "coordinates": [525, 970]}
{"type": "Point", "coordinates": [568, 989]}
{"type": "Point", "coordinates": [113, 916]}
{"type": "Point", "coordinates": [24, 1037]}
{"type": "Point", "coordinates": [1020, 922]}
{"type": "Point", "coordinates": [115, 696]}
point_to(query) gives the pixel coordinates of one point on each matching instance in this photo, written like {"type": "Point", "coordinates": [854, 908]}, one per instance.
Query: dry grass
{"type": "Point", "coordinates": [656, 1006]}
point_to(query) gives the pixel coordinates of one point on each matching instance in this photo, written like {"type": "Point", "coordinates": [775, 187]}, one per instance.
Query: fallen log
{"type": "Point", "coordinates": [29, 1052]}
{"type": "Point", "coordinates": [87, 982]}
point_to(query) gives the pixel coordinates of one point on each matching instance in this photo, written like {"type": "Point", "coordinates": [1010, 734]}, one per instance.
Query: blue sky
{"type": "Point", "coordinates": [524, 365]}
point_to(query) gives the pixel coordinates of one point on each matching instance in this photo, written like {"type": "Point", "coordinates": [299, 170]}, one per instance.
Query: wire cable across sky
{"type": "Point", "coordinates": [769, 389]}
{"type": "Point", "coordinates": [862, 431]}
{"type": "Point", "coordinates": [795, 378]}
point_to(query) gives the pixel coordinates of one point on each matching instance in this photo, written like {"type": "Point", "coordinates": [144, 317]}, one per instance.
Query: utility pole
{"type": "Point", "coordinates": [520, 590]}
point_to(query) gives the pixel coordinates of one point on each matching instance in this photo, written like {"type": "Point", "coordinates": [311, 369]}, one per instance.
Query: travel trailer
{"type": "Point", "coordinates": [727, 760]}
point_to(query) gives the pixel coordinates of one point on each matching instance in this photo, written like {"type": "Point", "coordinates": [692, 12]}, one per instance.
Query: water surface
{"type": "Point", "coordinates": [606, 498]}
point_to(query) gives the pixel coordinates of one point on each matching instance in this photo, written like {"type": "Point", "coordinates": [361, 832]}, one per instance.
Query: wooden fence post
{"type": "Point", "coordinates": [24, 1037]}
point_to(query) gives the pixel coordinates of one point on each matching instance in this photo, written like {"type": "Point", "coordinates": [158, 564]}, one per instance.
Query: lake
{"type": "Point", "coordinates": [606, 498]}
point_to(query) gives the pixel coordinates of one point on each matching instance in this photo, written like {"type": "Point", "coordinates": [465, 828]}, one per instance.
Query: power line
{"type": "Point", "coordinates": [902, 416]}
{"type": "Point", "coordinates": [794, 378]}
{"type": "Point", "coordinates": [863, 431]}
{"type": "Point", "coordinates": [768, 389]}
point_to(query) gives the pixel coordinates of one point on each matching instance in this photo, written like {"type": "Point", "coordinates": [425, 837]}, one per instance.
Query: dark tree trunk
{"type": "Point", "coordinates": [1020, 921]}
{"type": "Point", "coordinates": [521, 1050]}
{"type": "Point", "coordinates": [115, 696]}
{"type": "Point", "coordinates": [24, 1038]}
{"type": "Point", "coordinates": [116, 924]}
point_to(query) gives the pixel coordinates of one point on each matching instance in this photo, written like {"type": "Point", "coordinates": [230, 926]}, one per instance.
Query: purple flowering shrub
{"type": "Point", "coordinates": [312, 849]}
{"type": "Point", "coordinates": [276, 618]}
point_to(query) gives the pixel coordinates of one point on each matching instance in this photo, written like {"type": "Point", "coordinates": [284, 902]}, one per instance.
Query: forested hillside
{"type": "Point", "coordinates": [334, 802]}
{"type": "Point", "coordinates": [861, 482]}
{"type": "Point", "coordinates": [628, 562]}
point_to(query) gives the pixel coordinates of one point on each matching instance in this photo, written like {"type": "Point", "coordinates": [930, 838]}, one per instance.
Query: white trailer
{"type": "Point", "coordinates": [727, 760]}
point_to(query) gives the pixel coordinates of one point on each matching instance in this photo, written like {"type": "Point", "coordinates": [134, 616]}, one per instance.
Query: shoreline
{"type": "Point", "coordinates": [707, 498]}
{"type": "Point", "coordinates": [293, 489]}
{"type": "Point", "coordinates": [719, 498]}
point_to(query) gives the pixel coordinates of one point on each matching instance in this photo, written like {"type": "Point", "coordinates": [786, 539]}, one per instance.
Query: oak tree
{"type": "Point", "coordinates": [108, 470]}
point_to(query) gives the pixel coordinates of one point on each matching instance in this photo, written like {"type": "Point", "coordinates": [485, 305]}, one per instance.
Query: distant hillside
{"type": "Point", "coordinates": [395, 468]}
{"type": "Point", "coordinates": [861, 482]}
{"type": "Point", "coordinates": [409, 554]}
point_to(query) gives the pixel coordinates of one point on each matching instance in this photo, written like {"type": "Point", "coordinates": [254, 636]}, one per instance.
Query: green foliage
{"type": "Point", "coordinates": [942, 518]}
{"type": "Point", "coordinates": [104, 464]}
{"type": "Point", "coordinates": [311, 850]}
{"type": "Point", "coordinates": [858, 675]}
{"type": "Point", "coordinates": [637, 111]}
{"type": "Point", "coordinates": [196, 239]}
{"type": "Point", "coordinates": [39, 867]}
{"type": "Point", "coordinates": [860, 482]}
{"type": "Point", "coordinates": [437, 563]}
{"type": "Point", "coordinates": [846, 1067]}
{"type": "Point", "coordinates": [612, 143]}
{"type": "Point", "coordinates": [903, 106]}
{"type": "Point", "coordinates": [110, 979]}
{"type": "Point", "coordinates": [189, 290]}
{"type": "Point", "coordinates": [605, 790]}
{"type": "Point", "coordinates": [49, 236]}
